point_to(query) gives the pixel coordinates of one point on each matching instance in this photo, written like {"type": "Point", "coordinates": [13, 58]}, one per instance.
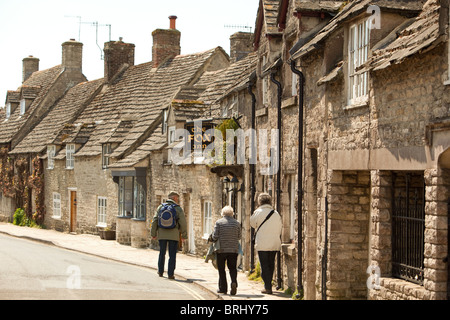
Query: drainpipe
{"type": "Point", "coordinates": [278, 84]}
{"type": "Point", "coordinates": [300, 178]}
{"type": "Point", "coordinates": [252, 172]}
{"type": "Point", "coordinates": [325, 254]}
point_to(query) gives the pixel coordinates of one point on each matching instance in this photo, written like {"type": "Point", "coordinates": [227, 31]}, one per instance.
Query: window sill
{"type": "Point", "coordinates": [124, 217]}
{"type": "Point", "coordinates": [101, 225]}
{"type": "Point", "coordinates": [357, 105]}
{"type": "Point", "coordinates": [289, 249]}
{"type": "Point", "coordinates": [447, 82]}
{"type": "Point", "coordinates": [56, 217]}
{"type": "Point", "coordinates": [289, 102]}
{"type": "Point", "coordinates": [139, 219]}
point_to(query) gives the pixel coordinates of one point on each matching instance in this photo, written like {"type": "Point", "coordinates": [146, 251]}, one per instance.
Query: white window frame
{"type": "Point", "coordinates": [102, 205]}
{"type": "Point", "coordinates": [207, 219]}
{"type": "Point", "coordinates": [139, 195]}
{"type": "Point", "coordinates": [171, 135]}
{"type": "Point", "coordinates": [23, 107]}
{"type": "Point", "coordinates": [165, 119]}
{"type": "Point", "coordinates": [51, 151]}
{"type": "Point", "coordinates": [8, 110]}
{"type": "Point", "coordinates": [106, 151]}
{"type": "Point", "coordinates": [170, 140]}
{"type": "Point", "coordinates": [56, 205]}
{"type": "Point", "coordinates": [70, 159]}
{"type": "Point", "coordinates": [358, 53]}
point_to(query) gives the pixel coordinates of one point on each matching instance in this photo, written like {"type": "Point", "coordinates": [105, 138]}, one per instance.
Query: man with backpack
{"type": "Point", "coordinates": [167, 224]}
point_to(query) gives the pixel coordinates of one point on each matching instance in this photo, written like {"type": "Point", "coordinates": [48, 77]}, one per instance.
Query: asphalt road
{"type": "Point", "coordinates": [31, 270]}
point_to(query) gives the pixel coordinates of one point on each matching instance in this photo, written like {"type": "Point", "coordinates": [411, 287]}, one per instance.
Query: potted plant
{"type": "Point", "coordinates": [107, 233]}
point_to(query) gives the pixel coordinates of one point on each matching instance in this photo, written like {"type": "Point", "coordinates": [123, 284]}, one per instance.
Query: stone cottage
{"type": "Point", "coordinates": [376, 142]}
{"type": "Point", "coordinates": [25, 107]}
{"type": "Point", "coordinates": [195, 107]}
{"type": "Point", "coordinates": [279, 26]}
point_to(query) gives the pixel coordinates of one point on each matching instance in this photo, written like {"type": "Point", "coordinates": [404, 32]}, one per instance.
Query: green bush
{"type": "Point", "coordinates": [21, 219]}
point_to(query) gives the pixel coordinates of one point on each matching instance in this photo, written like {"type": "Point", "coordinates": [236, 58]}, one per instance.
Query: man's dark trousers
{"type": "Point", "coordinates": [173, 248]}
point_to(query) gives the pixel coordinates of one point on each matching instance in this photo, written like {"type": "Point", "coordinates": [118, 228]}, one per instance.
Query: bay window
{"type": "Point", "coordinates": [132, 194]}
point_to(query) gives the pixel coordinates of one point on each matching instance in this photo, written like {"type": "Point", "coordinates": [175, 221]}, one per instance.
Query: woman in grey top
{"type": "Point", "coordinates": [228, 232]}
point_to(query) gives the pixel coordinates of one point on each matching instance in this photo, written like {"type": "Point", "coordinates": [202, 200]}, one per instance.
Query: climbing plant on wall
{"type": "Point", "coordinates": [16, 181]}
{"type": "Point", "coordinates": [36, 182]}
{"type": "Point", "coordinates": [6, 173]}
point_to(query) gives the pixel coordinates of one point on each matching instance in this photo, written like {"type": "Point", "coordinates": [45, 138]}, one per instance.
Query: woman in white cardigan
{"type": "Point", "coordinates": [267, 224]}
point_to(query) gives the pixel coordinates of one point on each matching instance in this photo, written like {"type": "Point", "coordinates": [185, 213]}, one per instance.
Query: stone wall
{"type": "Point", "coordinates": [193, 182]}
{"type": "Point", "coordinates": [89, 181]}
{"type": "Point", "coordinates": [348, 247]}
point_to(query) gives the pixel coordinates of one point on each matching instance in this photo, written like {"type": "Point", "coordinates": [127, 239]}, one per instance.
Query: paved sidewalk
{"type": "Point", "coordinates": [188, 267]}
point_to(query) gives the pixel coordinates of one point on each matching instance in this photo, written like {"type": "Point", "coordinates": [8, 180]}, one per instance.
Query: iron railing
{"type": "Point", "coordinates": [408, 226]}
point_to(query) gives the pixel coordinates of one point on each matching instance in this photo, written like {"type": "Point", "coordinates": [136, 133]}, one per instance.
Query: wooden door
{"type": "Point", "coordinates": [73, 211]}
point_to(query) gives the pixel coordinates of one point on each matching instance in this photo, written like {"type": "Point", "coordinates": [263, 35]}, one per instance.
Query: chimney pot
{"type": "Point", "coordinates": [173, 20]}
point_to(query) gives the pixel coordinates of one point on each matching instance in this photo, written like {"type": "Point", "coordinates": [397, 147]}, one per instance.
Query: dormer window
{"type": "Point", "coordinates": [165, 118]}
{"type": "Point", "coordinates": [358, 51]}
{"type": "Point", "coordinates": [51, 152]}
{"type": "Point", "coordinates": [23, 106]}
{"type": "Point", "coordinates": [106, 152]}
{"type": "Point", "coordinates": [70, 158]}
{"type": "Point", "coordinates": [8, 110]}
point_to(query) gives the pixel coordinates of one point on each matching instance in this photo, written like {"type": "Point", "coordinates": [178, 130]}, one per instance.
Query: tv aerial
{"type": "Point", "coordinates": [93, 24]}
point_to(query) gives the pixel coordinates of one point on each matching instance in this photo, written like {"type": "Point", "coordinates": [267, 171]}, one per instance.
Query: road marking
{"type": "Point", "coordinates": [190, 291]}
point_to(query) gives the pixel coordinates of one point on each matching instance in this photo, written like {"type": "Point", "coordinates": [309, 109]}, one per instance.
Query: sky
{"type": "Point", "coordinates": [38, 28]}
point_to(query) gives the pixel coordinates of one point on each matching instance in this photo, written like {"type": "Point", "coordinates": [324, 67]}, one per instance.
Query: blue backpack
{"type": "Point", "coordinates": [167, 216]}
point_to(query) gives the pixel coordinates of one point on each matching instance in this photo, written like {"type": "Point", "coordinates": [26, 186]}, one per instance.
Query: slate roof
{"type": "Point", "coordinates": [351, 10]}
{"type": "Point", "coordinates": [194, 102]}
{"type": "Point", "coordinates": [412, 37]}
{"type": "Point", "coordinates": [58, 119]}
{"type": "Point", "coordinates": [227, 80]}
{"type": "Point", "coordinates": [129, 111]}
{"type": "Point", "coordinates": [318, 5]}
{"type": "Point", "coordinates": [36, 87]}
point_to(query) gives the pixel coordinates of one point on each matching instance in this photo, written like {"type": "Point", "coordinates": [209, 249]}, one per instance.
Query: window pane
{"type": "Point", "coordinates": [128, 193]}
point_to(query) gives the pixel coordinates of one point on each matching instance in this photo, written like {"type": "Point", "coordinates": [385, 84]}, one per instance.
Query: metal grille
{"type": "Point", "coordinates": [408, 225]}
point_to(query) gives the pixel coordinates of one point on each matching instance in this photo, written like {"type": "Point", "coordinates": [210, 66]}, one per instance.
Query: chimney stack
{"type": "Point", "coordinates": [166, 43]}
{"type": "Point", "coordinates": [241, 44]}
{"type": "Point", "coordinates": [117, 53]}
{"type": "Point", "coordinates": [72, 55]}
{"type": "Point", "coordinates": [29, 65]}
